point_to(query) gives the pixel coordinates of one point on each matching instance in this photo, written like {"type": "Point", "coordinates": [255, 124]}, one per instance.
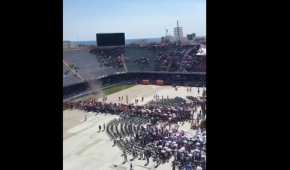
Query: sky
{"type": "Point", "coordinates": [82, 19]}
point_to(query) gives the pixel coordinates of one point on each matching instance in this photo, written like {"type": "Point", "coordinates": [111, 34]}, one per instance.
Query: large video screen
{"type": "Point", "coordinates": [110, 39]}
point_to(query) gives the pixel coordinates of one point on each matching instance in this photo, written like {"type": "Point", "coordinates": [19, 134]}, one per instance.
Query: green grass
{"type": "Point", "coordinates": [116, 88]}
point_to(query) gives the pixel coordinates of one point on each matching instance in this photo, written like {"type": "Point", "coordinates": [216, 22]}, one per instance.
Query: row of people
{"type": "Point", "coordinates": [175, 113]}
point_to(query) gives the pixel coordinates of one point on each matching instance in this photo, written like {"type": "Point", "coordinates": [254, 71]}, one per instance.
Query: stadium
{"type": "Point", "coordinates": [134, 106]}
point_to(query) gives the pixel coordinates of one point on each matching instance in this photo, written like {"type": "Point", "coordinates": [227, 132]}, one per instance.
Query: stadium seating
{"type": "Point", "coordinates": [95, 64]}
{"type": "Point", "coordinates": [69, 78]}
{"type": "Point", "coordinates": [87, 64]}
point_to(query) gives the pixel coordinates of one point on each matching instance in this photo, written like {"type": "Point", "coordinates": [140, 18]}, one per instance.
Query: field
{"type": "Point", "coordinates": [116, 88]}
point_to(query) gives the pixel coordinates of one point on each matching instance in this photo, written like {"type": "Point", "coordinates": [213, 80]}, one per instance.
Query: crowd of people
{"type": "Point", "coordinates": [162, 143]}
{"type": "Point", "coordinates": [181, 59]}
{"type": "Point", "coordinates": [152, 131]}
{"type": "Point", "coordinates": [166, 109]}
{"type": "Point", "coordinates": [190, 62]}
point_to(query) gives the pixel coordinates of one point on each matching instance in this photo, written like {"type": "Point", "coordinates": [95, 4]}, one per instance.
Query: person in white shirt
{"type": "Point", "coordinates": [198, 168]}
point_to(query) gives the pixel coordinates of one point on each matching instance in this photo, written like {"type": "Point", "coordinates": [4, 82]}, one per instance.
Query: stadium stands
{"type": "Point", "coordinates": [139, 59]}
{"type": "Point", "coordinates": [172, 59]}
{"type": "Point", "coordinates": [95, 64]}
{"type": "Point", "coordinates": [87, 65]}
{"type": "Point", "coordinates": [68, 77]}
